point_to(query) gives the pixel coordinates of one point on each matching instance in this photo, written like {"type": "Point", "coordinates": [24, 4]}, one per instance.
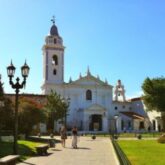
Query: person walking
{"type": "Point", "coordinates": [63, 135]}
{"type": "Point", "coordinates": [74, 137]}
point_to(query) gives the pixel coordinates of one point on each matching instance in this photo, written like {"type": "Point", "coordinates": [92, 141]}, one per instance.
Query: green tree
{"type": "Point", "coordinates": [56, 109]}
{"type": "Point", "coordinates": [6, 114]}
{"type": "Point", "coordinates": [6, 111]}
{"type": "Point", "coordinates": [30, 114]}
{"type": "Point", "coordinates": [154, 95]}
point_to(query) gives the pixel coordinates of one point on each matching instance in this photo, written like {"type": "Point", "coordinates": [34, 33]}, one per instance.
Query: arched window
{"type": "Point", "coordinates": [88, 95]}
{"type": "Point", "coordinates": [55, 60]}
{"type": "Point", "coordinates": [54, 72]}
{"type": "Point", "coordinates": [55, 41]}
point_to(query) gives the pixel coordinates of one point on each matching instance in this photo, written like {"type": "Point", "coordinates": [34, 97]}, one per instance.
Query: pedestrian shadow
{"type": "Point", "coordinates": [55, 150]}
{"type": "Point", "coordinates": [93, 140]}
{"type": "Point", "coordinates": [28, 163]}
{"type": "Point", "coordinates": [44, 155]}
{"type": "Point", "coordinates": [84, 148]}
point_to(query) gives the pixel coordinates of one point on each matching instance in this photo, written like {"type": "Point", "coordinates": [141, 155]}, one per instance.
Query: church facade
{"type": "Point", "coordinates": [94, 105]}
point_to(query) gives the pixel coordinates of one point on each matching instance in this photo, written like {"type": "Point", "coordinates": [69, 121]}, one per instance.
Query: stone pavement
{"type": "Point", "coordinates": [90, 152]}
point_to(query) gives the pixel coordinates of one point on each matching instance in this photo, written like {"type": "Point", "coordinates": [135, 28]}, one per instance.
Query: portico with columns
{"type": "Point", "coordinates": [95, 115]}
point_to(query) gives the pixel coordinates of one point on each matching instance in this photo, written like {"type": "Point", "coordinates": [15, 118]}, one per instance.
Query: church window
{"type": "Point", "coordinates": [54, 71]}
{"type": "Point", "coordinates": [55, 60]}
{"type": "Point", "coordinates": [55, 41]}
{"type": "Point", "coordinates": [88, 95]}
{"type": "Point", "coordinates": [115, 108]}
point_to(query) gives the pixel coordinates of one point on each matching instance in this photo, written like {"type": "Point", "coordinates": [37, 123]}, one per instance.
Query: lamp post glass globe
{"type": "Point", "coordinates": [11, 70]}
{"type": "Point", "coordinates": [25, 70]}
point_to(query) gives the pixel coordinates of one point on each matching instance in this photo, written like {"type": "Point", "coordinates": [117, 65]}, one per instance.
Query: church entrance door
{"type": "Point", "coordinates": [96, 123]}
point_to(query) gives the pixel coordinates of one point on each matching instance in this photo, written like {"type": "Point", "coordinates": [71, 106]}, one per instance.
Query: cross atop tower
{"type": "Point", "coordinates": [53, 19]}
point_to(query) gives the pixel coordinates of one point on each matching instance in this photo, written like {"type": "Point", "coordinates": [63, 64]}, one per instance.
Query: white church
{"type": "Point", "coordinates": [94, 105]}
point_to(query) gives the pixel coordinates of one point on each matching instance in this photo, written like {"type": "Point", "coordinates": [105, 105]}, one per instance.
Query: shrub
{"type": "Point", "coordinates": [93, 137]}
{"type": "Point", "coordinates": [139, 136]}
{"type": "Point", "coordinates": [115, 137]}
{"type": "Point", "coordinates": [161, 139]}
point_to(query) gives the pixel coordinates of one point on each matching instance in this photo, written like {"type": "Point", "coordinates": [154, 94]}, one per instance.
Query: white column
{"type": "Point", "coordinates": [105, 124]}
{"type": "Point", "coordinates": [156, 124]}
{"type": "Point", "coordinates": [118, 124]}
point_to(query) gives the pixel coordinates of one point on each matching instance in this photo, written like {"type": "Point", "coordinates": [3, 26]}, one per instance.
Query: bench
{"type": "Point", "coordinates": [9, 160]}
{"type": "Point", "coordinates": [42, 149]}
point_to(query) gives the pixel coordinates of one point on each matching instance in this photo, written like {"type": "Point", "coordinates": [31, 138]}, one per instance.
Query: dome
{"type": "Point", "coordinates": [54, 30]}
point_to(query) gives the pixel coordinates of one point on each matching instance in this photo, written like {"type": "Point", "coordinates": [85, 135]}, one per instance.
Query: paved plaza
{"type": "Point", "coordinates": [90, 152]}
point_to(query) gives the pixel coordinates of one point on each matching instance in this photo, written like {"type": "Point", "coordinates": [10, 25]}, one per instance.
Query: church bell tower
{"type": "Point", "coordinates": [53, 59]}
{"type": "Point", "coordinates": [119, 92]}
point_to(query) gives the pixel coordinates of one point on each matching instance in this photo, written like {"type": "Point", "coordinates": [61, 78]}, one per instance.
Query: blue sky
{"type": "Point", "coordinates": [117, 39]}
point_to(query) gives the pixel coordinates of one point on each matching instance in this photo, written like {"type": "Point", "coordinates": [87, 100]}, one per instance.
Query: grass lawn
{"type": "Point", "coordinates": [132, 135]}
{"type": "Point", "coordinates": [143, 152]}
{"type": "Point", "coordinates": [25, 148]}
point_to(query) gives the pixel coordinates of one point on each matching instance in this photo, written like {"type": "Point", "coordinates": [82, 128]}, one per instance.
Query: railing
{"type": "Point", "coordinates": [120, 154]}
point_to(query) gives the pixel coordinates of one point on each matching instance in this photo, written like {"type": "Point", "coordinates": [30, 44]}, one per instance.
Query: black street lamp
{"type": "Point", "coordinates": [17, 86]}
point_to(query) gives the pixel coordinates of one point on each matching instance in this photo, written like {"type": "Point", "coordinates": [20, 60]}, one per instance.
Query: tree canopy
{"type": "Point", "coordinates": [6, 111]}
{"type": "Point", "coordinates": [154, 94]}
{"type": "Point", "coordinates": [6, 114]}
{"type": "Point", "coordinates": [30, 114]}
{"type": "Point", "coordinates": [56, 108]}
